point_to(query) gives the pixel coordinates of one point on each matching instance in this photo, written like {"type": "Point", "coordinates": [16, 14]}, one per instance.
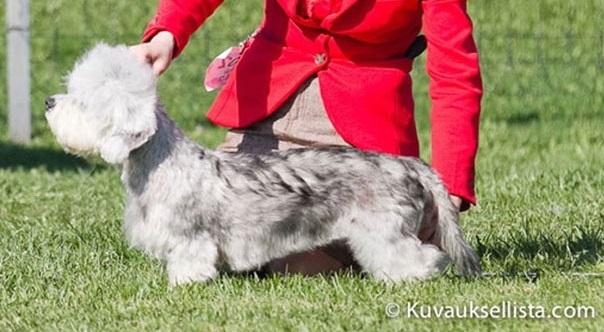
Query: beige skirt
{"type": "Point", "coordinates": [301, 122]}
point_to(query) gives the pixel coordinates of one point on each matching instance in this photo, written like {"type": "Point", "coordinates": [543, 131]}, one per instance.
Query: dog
{"type": "Point", "coordinates": [201, 211]}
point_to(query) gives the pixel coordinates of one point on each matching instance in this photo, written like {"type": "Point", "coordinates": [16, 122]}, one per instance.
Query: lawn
{"type": "Point", "coordinates": [539, 224]}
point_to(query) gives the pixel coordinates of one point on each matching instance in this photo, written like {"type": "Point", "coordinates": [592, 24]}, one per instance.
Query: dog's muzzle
{"type": "Point", "coordinates": [50, 103]}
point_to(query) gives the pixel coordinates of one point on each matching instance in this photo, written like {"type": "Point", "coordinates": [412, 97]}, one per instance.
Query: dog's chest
{"type": "Point", "coordinates": [143, 230]}
{"type": "Point", "coordinates": [156, 220]}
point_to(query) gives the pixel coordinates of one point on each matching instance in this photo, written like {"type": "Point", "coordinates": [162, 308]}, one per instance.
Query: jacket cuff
{"type": "Point", "coordinates": [461, 186]}
{"type": "Point", "coordinates": [181, 18]}
{"type": "Point", "coordinates": [179, 41]}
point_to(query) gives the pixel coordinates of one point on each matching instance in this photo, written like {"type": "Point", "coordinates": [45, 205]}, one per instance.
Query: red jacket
{"type": "Point", "coordinates": [356, 49]}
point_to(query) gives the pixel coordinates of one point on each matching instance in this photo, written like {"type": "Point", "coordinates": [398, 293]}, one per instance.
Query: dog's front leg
{"type": "Point", "coordinates": [193, 259]}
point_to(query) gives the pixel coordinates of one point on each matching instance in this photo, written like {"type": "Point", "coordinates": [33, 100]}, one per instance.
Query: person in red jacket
{"type": "Point", "coordinates": [325, 72]}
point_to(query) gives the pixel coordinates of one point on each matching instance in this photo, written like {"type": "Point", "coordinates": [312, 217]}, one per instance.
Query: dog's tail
{"type": "Point", "coordinates": [449, 234]}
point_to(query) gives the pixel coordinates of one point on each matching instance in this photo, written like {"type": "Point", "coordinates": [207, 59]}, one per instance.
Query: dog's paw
{"type": "Point", "coordinates": [180, 280]}
{"type": "Point", "coordinates": [426, 263]}
{"type": "Point", "coordinates": [182, 275]}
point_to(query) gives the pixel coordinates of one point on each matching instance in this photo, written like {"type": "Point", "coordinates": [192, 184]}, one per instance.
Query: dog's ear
{"type": "Point", "coordinates": [131, 129]}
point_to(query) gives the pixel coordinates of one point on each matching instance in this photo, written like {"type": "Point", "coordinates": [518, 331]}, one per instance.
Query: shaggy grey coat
{"type": "Point", "coordinates": [199, 210]}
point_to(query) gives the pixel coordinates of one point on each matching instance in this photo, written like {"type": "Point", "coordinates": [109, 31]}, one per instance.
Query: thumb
{"type": "Point", "coordinates": [160, 65]}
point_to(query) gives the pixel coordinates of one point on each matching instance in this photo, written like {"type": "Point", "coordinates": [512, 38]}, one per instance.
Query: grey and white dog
{"type": "Point", "coordinates": [200, 210]}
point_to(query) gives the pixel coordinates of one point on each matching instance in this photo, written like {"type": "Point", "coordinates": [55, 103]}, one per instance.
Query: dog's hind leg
{"type": "Point", "coordinates": [390, 255]}
{"type": "Point", "coordinates": [192, 260]}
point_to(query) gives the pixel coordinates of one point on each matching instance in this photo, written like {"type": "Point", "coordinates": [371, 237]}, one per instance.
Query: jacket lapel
{"type": "Point", "coordinates": [346, 5]}
{"type": "Point", "coordinates": [291, 9]}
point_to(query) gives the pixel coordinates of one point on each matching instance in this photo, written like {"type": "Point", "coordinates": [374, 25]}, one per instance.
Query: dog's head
{"type": "Point", "coordinates": [109, 107]}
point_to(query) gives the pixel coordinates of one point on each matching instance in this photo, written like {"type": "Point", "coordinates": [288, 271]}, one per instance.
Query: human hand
{"type": "Point", "coordinates": [158, 52]}
{"type": "Point", "coordinates": [457, 201]}
{"type": "Point", "coordinates": [427, 231]}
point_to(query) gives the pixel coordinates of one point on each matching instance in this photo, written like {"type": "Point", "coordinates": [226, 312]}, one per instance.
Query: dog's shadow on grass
{"type": "Point", "coordinates": [525, 251]}
{"type": "Point", "coordinates": [14, 156]}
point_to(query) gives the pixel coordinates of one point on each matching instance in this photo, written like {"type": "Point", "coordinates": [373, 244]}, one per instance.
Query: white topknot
{"type": "Point", "coordinates": [111, 71]}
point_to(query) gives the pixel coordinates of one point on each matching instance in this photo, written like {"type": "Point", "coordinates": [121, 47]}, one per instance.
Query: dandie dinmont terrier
{"type": "Point", "coordinates": [199, 210]}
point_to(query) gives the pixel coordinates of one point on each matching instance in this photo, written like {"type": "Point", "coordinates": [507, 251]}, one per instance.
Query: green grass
{"type": "Point", "coordinates": [64, 263]}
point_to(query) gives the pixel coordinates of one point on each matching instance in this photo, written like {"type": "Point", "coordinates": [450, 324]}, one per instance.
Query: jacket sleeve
{"type": "Point", "coordinates": [181, 18]}
{"type": "Point", "coordinates": [455, 92]}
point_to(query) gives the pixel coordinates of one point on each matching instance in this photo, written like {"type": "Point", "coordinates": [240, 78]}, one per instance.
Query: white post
{"type": "Point", "coordinates": [19, 113]}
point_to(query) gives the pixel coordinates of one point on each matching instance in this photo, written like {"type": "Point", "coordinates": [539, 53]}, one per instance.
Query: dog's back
{"type": "Point", "coordinates": [303, 198]}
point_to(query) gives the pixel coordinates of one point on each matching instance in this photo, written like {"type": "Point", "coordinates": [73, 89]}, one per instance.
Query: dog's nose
{"type": "Point", "coordinates": [49, 103]}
